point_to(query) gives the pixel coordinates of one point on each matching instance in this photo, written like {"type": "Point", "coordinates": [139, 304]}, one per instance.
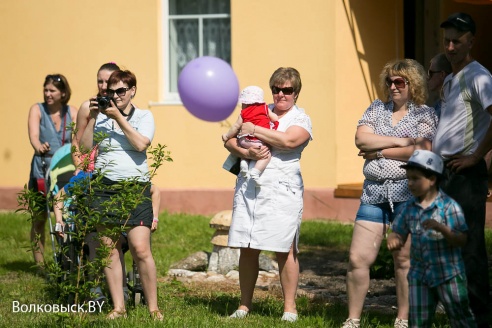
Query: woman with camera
{"type": "Point", "coordinates": [84, 161]}
{"type": "Point", "coordinates": [49, 129]}
{"type": "Point", "coordinates": [122, 160]}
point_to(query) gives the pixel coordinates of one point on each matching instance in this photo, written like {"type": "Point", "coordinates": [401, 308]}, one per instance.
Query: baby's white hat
{"type": "Point", "coordinates": [251, 95]}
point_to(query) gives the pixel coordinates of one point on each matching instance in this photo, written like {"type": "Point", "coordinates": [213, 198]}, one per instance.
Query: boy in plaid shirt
{"type": "Point", "coordinates": [438, 231]}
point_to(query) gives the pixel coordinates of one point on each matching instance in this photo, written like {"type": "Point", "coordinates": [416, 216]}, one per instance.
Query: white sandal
{"type": "Point", "coordinates": [289, 316]}
{"type": "Point", "coordinates": [239, 314]}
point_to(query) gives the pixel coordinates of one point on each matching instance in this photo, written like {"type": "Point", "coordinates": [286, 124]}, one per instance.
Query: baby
{"type": "Point", "coordinates": [254, 110]}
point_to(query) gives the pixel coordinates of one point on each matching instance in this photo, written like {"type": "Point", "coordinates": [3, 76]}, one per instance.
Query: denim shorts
{"type": "Point", "coordinates": [379, 213]}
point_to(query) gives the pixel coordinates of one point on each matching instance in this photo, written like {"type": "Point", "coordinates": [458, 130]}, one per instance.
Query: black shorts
{"type": "Point", "coordinates": [140, 216]}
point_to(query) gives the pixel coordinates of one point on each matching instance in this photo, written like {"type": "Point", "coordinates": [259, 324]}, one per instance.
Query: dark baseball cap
{"type": "Point", "coordinates": [460, 21]}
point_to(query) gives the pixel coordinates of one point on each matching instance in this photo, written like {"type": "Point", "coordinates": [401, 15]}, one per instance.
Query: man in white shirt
{"type": "Point", "coordinates": [463, 138]}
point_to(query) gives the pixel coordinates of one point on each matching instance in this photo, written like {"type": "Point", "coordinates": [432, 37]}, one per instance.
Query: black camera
{"type": "Point", "coordinates": [103, 102]}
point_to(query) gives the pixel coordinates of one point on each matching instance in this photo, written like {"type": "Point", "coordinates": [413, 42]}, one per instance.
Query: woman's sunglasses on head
{"type": "Point", "coordinates": [54, 77]}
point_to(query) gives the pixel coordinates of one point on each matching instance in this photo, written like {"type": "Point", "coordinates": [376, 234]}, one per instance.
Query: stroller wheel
{"type": "Point", "coordinates": [135, 287]}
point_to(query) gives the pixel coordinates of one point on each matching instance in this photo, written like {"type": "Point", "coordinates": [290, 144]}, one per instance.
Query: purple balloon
{"type": "Point", "coordinates": [208, 88]}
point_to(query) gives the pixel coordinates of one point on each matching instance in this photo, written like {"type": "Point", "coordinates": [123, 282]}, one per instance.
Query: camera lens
{"type": "Point", "coordinates": [103, 102]}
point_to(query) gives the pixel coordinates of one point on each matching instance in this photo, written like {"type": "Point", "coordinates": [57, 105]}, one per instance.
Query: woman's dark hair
{"type": "Point", "coordinates": [61, 83]}
{"type": "Point", "coordinates": [109, 67]}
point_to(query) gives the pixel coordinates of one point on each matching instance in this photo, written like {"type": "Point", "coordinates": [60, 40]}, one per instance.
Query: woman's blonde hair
{"type": "Point", "coordinates": [410, 70]}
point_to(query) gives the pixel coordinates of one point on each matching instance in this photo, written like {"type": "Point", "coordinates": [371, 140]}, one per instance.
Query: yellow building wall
{"type": "Point", "coordinates": [339, 47]}
{"type": "Point", "coordinates": [368, 35]}
{"type": "Point", "coordinates": [73, 38]}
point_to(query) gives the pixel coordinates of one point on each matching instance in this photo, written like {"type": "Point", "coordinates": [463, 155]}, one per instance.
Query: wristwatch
{"type": "Point", "coordinates": [379, 154]}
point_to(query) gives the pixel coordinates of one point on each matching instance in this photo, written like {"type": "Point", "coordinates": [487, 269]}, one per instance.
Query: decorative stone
{"type": "Point", "coordinates": [233, 274]}
{"type": "Point", "coordinates": [267, 264]}
{"type": "Point", "coordinates": [195, 262]}
{"type": "Point", "coordinates": [223, 259]}
{"type": "Point", "coordinates": [217, 278]}
{"type": "Point", "coordinates": [220, 237]}
{"type": "Point", "coordinates": [213, 262]}
{"type": "Point", "coordinates": [271, 274]}
{"type": "Point", "coordinates": [221, 220]}
{"type": "Point", "coordinates": [199, 277]}
{"type": "Point", "coordinates": [180, 273]}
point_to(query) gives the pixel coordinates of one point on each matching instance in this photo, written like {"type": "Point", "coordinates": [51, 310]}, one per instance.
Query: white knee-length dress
{"type": "Point", "coordinates": [268, 217]}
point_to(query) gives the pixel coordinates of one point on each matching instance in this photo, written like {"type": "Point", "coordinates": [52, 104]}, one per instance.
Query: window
{"type": "Point", "coordinates": [193, 28]}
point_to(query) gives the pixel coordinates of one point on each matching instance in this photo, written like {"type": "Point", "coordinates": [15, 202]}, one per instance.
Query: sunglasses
{"type": "Point", "coordinates": [286, 91]}
{"type": "Point", "coordinates": [399, 83]}
{"type": "Point", "coordinates": [120, 92]}
{"type": "Point", "coordinates": [55, 78]}
{"type": "Point", "coordinates": [431, 73]}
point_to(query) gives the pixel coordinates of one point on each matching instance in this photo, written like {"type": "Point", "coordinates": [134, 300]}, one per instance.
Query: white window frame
{"type": "Point", "coordinates": [166, 96]}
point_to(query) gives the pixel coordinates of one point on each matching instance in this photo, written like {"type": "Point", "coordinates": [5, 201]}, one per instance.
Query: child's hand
{"type": "Point", "coordinates": [431, 224]}
{"type": "Point", "coordinates": [59, 228]}
{"type": "Point", "coordinates": [394, 242]}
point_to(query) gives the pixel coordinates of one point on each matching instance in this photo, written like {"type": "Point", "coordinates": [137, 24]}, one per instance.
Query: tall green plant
{"type": "Point", "coordinates": [73, 275]}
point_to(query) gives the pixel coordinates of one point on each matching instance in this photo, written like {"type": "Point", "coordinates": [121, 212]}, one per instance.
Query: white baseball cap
{"type": "Point", "coordinates": [251, 95]}
{"type": "Point", "coordinates": [425, 159]}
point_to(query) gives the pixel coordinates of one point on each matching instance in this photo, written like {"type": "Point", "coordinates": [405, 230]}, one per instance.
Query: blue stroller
{"type": "Point", "coordinates": [58, 174]}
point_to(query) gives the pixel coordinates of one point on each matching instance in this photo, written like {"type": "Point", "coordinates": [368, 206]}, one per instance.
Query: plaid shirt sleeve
{"type": "Point", "coordinates": [455, 219]}
{"type": "Point", "coordinates": [400, 223]}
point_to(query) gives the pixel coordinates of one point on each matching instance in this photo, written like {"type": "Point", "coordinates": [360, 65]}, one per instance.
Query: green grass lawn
{"type": "Point", "coordinates": [177, 237]}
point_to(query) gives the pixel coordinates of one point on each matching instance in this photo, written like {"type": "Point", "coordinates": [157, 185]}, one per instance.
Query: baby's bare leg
{"type": "Point", "coordinates": [261, 164]}
{"type": "Point", "coordinates": [247, 143]}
